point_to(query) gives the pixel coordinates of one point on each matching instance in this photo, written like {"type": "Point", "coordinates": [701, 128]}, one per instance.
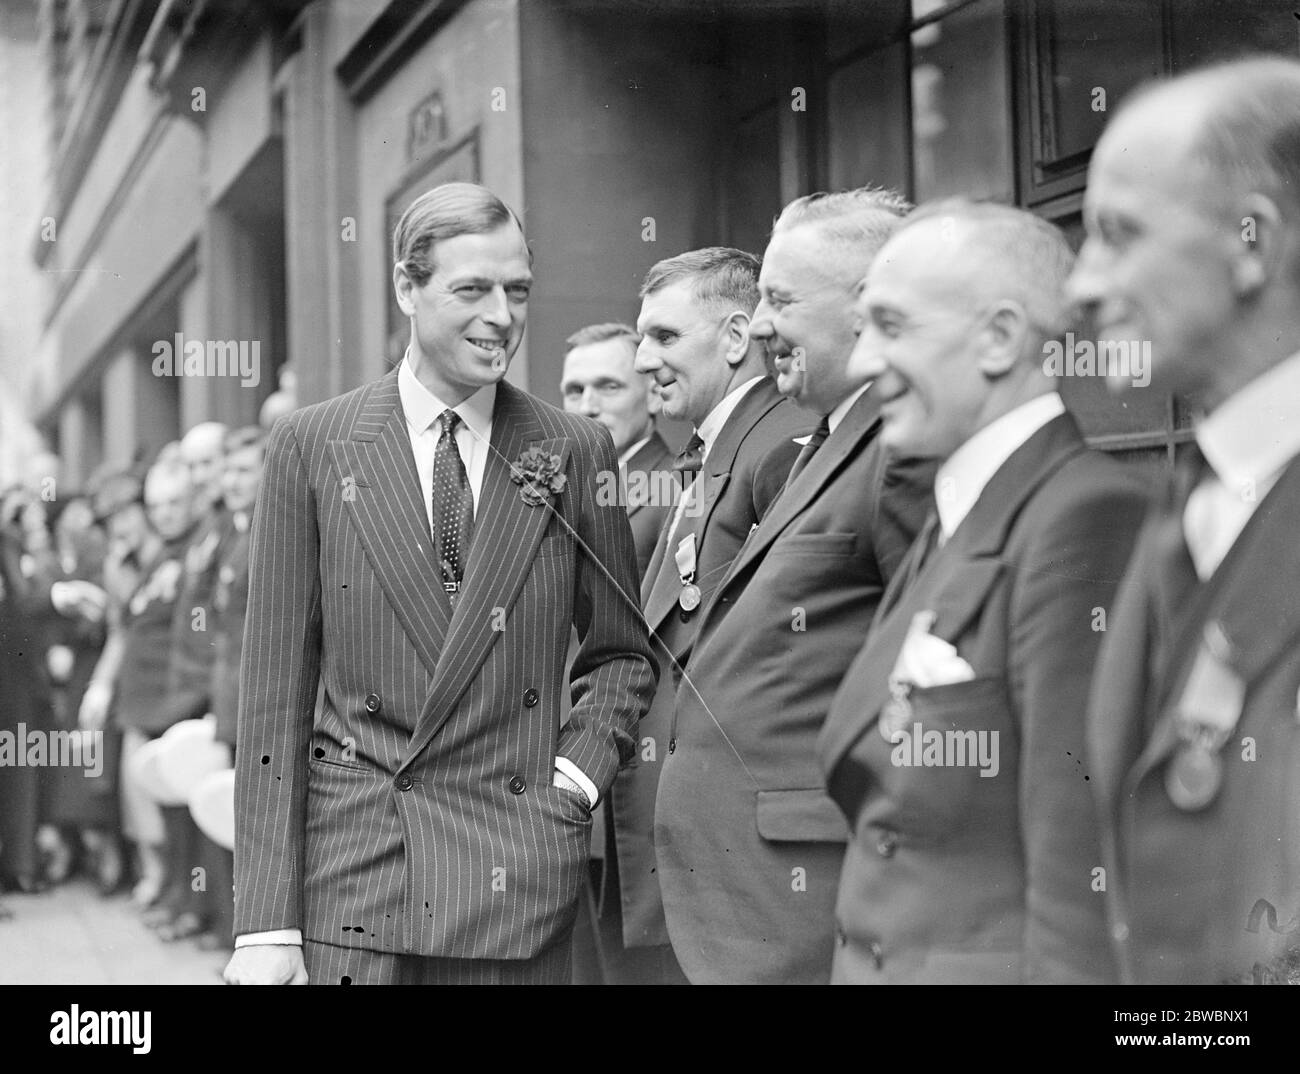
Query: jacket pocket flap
{"type": "Point", "coordinates": [806, 816]}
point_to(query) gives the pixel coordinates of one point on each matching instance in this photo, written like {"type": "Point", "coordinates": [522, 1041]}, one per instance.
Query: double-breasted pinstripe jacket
{"type": "Point", "coordinates": [413, 809]}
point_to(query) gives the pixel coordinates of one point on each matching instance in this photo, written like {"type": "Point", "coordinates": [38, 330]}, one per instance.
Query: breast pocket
{"type": "Point", "coordinates": [953, 757]}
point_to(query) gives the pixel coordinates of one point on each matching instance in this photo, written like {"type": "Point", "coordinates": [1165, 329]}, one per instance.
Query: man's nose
{"type": "Point", "coordinates": [760, 324]}
{"type": "Point", "coordinates": [867, 360]}
{"type": "Point", "coordinates": [1083, 288]}
{"type": "Point", "coordinates": [496, 308]}
{"type": "Point", "coordinates": [590, 402]}
{"type": "Point", "coordinates": [646, 360]}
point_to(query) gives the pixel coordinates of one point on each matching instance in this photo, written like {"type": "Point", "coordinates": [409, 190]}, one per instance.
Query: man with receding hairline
{"type": "Point", "coordinates": [954, 744]}
{"type": "Point", "coordinates": [1193, 245]}
{"type": "Point", "coordinates": [422, 549]}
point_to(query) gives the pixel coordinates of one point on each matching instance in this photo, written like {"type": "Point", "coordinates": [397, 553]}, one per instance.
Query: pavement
{"type": "Point", "coordinates": [70, 935]}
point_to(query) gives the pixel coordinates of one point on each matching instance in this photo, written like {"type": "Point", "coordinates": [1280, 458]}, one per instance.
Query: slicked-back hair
{"type": "Point", "coordinates": [602, 333]}
{"type": "Point", "coordinates": [1028, 257]}
{"type": "Point", "coordinates": [722, 277]}
{"type": "Point", "coordinates": [856, 222]}
{"type": "Point", "coordinates": [443, 213]}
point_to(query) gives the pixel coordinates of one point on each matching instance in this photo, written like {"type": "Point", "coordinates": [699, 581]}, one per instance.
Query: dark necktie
{"type": "Point", "coordinates": [690, 459]}
{"type": "Point", "coordinates": [453, 505]}
{"type": "Point", "coordinates": [815, 441]}
{"type": "Point", "coordinates": [1174, 579]}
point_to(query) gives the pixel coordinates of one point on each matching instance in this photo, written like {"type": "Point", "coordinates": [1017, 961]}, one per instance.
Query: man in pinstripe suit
{"type": "Point", "coordinates": [421, 548]}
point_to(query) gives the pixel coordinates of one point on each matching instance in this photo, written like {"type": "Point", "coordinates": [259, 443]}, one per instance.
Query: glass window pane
{"type": "Point", "coordinates": [1096, 45]}
{"type": "Point", "coordinates": [961, 118]}
{"type": "Point", "coordinates": [867, 118]}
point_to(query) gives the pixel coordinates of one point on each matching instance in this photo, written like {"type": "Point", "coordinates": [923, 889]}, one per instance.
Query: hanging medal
{"type": "Point", "coordinates": [1206, 716]}
{"type": "Point", "coordinates": [689, 597]}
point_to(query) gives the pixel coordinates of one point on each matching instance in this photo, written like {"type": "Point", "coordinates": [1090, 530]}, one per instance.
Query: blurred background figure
{"type": "Point", "coordinates": [601, 383]}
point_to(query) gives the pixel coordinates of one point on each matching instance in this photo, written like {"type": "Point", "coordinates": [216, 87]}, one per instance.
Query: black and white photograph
{"type": "Point", "coordinates": [651, 492]}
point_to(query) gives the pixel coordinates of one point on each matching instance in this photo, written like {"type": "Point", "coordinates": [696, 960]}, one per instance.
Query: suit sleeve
{"type": "Point", "coordinates": [277, 692]}
{"type": "Point", "coordinates": [1072, 570]}
{"type": "Point", "coordinates": [614, 674]}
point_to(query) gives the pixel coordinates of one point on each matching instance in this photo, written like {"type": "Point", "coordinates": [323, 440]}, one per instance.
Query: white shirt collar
{"type": "Point", "coordinates": [844, 406]}
{"type": "Point", "coordinates": [422, 408]}
{"type": "Point", "coordinates": [963, 476]}
{"type": "Point", "coordinates": [1253, 434]}
{"type": "Point", "coordinates": [712, 425]}
{"type": "Point", "coordinates": [630, 453]}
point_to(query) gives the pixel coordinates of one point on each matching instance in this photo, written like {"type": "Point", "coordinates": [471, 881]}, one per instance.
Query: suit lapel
{"type": "Point", "coordinates": [507, 532]}
{"type": "Point", "coordinates": [654, 455]}
{"type": "Point", "coordinates": [1257, 615]}
{"type": "Point", "coordinates": [662, 582]}
{"type": "Point", "coordinates": [381, 488]}
{"type": "Point", "coordinates": [851, 436]}
{"type": "Point", "coordinates": [956, 580]}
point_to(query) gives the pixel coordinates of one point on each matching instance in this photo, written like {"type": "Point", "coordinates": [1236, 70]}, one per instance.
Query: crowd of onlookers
{"type": "Point", "coordinates": [121, 620]}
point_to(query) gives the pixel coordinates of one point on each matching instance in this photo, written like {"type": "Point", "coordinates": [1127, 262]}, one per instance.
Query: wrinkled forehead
{"type": "Point", "coordinates": [609, 358]}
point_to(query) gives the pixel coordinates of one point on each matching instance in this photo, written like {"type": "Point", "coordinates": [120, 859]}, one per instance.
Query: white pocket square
{"type": "Point", "coordinates": [927, 660]}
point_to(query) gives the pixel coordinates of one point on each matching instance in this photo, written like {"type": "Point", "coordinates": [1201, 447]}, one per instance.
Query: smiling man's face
{"type": "Point", "coordinates": [469, 315]}
{"type": "Point", "coordinates": [919, 344]}
{"type": "Point", "coordinates": [683, 347]}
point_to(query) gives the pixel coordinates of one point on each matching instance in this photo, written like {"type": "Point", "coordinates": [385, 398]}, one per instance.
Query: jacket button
{"type": "Point", "coordinates": [517, 784]}
{"type": "Point", "coordinates": [841, 940]}
{"type": "Point", "coordinates": [877, 954]}
{"type": "Point", "coordinates": [404, 782]}
{"type": "Point", "coordinates": [373, 703]}
{"type": "Point", "coordinates": [1119, 932]}
{"type": "Point", "coordinates": [530, 697]}
{"type": "Point", "coordinates": [887, 844]}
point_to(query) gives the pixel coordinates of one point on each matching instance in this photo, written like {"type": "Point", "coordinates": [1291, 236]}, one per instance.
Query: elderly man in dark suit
{"type": "Point", "coordinates": [421, 548]}
{"type": "Point", "coordinates": [1193, 218]}
{"type": "Point", "coordinates": [695, 342]}
{"type": "Point", "coordinates": [600, 381]}
{"type": "Point", "coordinates": [748, 844]}
{"type": "Point", "coordinates": [955, 743]}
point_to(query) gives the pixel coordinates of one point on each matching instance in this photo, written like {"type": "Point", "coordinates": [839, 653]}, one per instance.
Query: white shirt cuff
{"type": "Point", "coordinates": [287, 937]}
{"type": "Point", "coordinates": [563, 764]}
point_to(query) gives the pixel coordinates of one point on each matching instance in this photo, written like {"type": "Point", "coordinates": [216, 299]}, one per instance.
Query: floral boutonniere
{"type": "Point", "coordinates": [539, 475]}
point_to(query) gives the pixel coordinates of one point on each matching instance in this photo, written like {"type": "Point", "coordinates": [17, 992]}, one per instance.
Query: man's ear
{"type": "Point", "coordinates": [403, 285]}
{"type": "Point", "coordinates": [1262, 242]}
{"type": "Point", "coordinates": [736, 331]}
{"type": "Point", "coordinates": [1001, 337]}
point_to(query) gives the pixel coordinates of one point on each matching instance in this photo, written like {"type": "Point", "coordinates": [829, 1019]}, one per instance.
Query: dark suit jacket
{"type": "Point", "coordinates": [229, 609]}
{"type": "Point", "coordinates": [417, 814]}
{"type": "Point", "coordinates": [951, 875]}
{"type": "Point", "coordinates": [746, 467]}
{"type": "Point", "coordinates": [1184, 889]}
{"type": "Point", "coordinates": [644, 511]}
{"type": "Point", "coordinates": [748, 843]}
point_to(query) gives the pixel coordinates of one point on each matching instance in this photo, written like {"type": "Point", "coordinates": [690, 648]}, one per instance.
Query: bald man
{"type": "Point", "coordinates": [1193, 224]}
{"type": "Point", "coordinates": [954, 745]}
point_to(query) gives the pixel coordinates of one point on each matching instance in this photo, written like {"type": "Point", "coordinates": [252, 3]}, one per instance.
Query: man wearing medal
{"type": "Point", "coordinates": [1193, 244]}
{"type": "Point", "coordinates": [695, 343]}
{"type": "Point", "coordinates": [749, 845]}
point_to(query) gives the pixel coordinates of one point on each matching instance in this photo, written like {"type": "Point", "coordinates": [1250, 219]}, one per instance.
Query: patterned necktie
{"type": "Point", "coordinates": [815, 441]}
{"type": "Point", "coordinates": [453, 505]}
